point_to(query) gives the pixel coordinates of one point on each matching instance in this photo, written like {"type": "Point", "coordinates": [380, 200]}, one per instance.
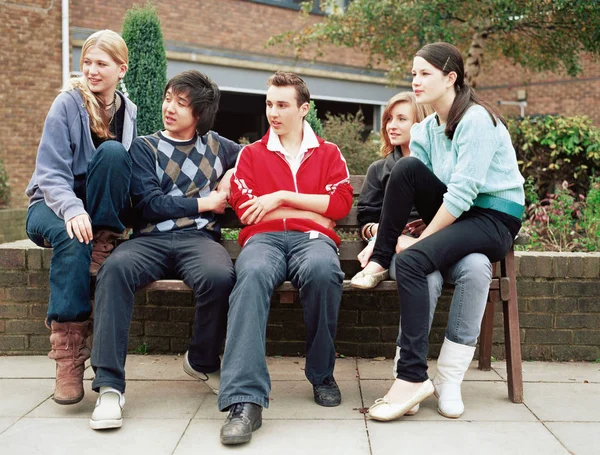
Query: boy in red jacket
{"type": "Point", "coordinates": [288, 189]}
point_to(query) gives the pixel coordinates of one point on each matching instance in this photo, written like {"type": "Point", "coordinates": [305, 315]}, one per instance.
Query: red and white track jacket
{"type": "Point", "coordinates": [260, 171]}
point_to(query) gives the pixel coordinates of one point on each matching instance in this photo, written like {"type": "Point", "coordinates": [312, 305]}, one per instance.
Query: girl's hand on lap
{"type": "Point", "coordinates": [404, 242]}
{"type": "Point", "coordinates": [81, 227]}
{"type": "Point", "coordinates": [415, 228]}
{"type": "Point", "coordinates": [365, 254]}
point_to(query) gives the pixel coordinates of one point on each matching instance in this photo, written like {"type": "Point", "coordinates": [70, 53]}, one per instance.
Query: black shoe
{"type": "Point", "coordinates": [243, 419]}
{"type": "Point", "coordinates": [327, 394]}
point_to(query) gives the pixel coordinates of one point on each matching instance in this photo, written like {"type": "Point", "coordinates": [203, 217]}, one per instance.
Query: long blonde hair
{"type": "Point", "coordinates": [111, 43]}
{"type": "Point", "coordinates": [420, 111]}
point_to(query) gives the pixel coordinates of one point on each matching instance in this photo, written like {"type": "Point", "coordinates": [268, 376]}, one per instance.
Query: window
{"type": "Point", "coordinates": [297, 4]}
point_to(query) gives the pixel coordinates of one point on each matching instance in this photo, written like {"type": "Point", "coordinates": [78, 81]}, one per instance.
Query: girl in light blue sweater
{"type": "Point", "coordinates": [463, 178]}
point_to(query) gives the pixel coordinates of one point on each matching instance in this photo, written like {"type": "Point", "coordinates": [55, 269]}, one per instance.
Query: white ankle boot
{"type": "Point", "coordinates": [412, 411]}
{"type": "Point", "coordinates": [109, 409]}
{"type": "Point", "coordinates": [453, 362]}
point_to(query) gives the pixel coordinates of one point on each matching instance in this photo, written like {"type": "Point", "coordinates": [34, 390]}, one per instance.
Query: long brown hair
{"type": "Point", "coordinates": [447, 58]}
{"type": "Point", "coordinates": [420, 111]}
{"type": "Point", "coordinates": [111, 43]}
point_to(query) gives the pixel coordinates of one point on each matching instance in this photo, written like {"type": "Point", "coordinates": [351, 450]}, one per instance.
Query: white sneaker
{"type": "Point", "coordinates": [109, 409]}
{"type": "Point", "coordinates": [212, 380]}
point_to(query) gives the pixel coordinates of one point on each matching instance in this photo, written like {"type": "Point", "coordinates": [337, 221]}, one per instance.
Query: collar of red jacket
{"type": "Point", "coordinates": [309, 140]}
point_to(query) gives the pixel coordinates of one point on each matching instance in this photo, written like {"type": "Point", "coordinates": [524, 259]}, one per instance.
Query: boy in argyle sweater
{"type": "Point", "coordinates": [175, 192]}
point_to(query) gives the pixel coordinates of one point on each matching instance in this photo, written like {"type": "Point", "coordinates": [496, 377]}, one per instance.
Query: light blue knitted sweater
{"type": "Point", "coordinates": [479, 161]}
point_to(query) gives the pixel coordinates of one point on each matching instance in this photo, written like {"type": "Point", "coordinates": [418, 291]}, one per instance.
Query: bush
{"type": "Point", "coordinates": [147, 75]}
{"type": "Point", "coordinates": [564, 220]}
{"type": "Point", "coordinates": [553, 149]}
{"type": "Point", "coordinates": [4, 188]}
{"type": "Point", "coordinates": [348, 132]}
{"type": "Point", "coordinates": [313, 120]}
{"type": "Point", "coordinates": [591, 217]}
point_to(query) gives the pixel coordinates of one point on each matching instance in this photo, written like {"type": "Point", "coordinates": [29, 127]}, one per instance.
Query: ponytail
{"type": "Point", "coordinates": [465, 98]}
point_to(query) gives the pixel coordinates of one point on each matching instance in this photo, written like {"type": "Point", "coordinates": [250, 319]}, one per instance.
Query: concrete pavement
{"type": "Point", "coordinates": [169, 413]}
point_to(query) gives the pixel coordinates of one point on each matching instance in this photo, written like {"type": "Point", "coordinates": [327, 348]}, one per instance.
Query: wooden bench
{"type": "Point", "coordinates": [503, 288]}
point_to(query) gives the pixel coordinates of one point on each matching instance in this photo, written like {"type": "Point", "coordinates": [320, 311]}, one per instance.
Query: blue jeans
{"type": "Point", "coordinates": [192, 256]}
{"type": "Point", "coordinates": [471, 277]}
{"type": "Point", "coordinates": [105, 192]}
{"type": "Point", "coordinates": [265, 262]}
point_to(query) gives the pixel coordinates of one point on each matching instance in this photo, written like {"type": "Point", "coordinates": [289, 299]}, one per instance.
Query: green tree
{"type": "Point", "coordinates": [313, 120]}
{"type": "Point", "coordinates": [147, 74]}
{"type": "Point", "coordinates": [537, 34]}
{"type": "Point", "coordinates": [359, 146]}
{"type": "Point", "coordinates": [4, 187]}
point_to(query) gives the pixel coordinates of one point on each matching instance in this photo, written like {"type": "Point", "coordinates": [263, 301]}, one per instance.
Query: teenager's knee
{"type": "Point", "coordinates": [216, 281]}
{"type": "Point", "coordinates": [114, 152]}
{"type": "Point", "coordinates": [473, 270]}
{"type": "Point", "coordinates": [411, 262]}
{"type": "Point", "coordinates": [322, 271]}
{"type": "Point", "coordinates": [409, 164]}
{"type": "Point", "coordinates": [110, 155]}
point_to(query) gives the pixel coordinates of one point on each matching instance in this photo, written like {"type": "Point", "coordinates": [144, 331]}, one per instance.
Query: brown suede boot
{"type": "Point", "coordinates": [102, 245]}
{"type": "Point", "coordinates": [69, 349]}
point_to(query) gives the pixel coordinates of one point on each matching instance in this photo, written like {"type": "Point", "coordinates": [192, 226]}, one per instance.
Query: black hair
{"type": "Point", "coordinates": [447, 58]}
{"type": "Point", "coordinates": [203, 96]}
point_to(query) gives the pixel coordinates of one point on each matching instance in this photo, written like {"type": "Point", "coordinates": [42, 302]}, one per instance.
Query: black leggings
{"type": "Point", "coordinates": [476, 231]}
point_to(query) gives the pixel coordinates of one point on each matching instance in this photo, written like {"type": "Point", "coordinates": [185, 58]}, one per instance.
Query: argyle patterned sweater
{"type": "Point", "coordinates": [168, 177]}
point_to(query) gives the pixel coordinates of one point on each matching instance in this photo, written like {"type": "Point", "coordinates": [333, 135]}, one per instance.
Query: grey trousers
{"type": "Point", "coordinates": [194, 257]}
{"type": "Point", "coordinates": [265, 262]}
{"type": "Point", "coordinates": [471, 277]}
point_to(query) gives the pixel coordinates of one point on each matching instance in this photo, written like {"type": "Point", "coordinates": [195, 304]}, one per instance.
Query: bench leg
{"type": "Point", "coordinates": [485, 338]}
{"type": "Point", "coordinates": [512, 338]}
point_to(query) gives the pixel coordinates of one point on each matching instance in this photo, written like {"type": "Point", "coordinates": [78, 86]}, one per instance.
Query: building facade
{"type": "Point", "coordinates": [227, 39]}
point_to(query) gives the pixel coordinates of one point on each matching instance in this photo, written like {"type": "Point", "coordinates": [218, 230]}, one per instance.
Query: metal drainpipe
{"type": "Point", "coordinates": [66, 51]}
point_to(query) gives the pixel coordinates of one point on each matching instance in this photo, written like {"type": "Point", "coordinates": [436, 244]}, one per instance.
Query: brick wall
{"type": "Point", "coordinates": [31, 78]}
{"type": "Point", "coordinates": [547, 93]}
{"type": "Point", "coordinates": [558, 299]}
{"type": "Point", "coordinates": [12, 225]}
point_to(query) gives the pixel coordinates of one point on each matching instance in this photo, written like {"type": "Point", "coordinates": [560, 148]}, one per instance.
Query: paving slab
{"type": "Point", "coordinates": [462, 438]}
{"type": "Point", "coordinates": [288, 437]}
{"type": "Point", "coordinates": [156, 368]}
{"type": "Point", "coordinates": [143, 399]}
{"type": "Point", "coordinates": [292, 369]}
{"type": "Point", "coordinates": [563, 402]}
{"type": "Point", "coordinates": [18, 396]}
{"type": "Point", "coordinates": [293, 400]}
{"type": "Point", "coordinates": [581, 438]}
{"type": "Point", "coordinates": [33, 436]}
{"type": "Point", "coordinates": [572, 372]}
{"type": "Point", "coordinates": [32, 367]}
{"type": "Point", "coordinates": [484, 401]}
{"type": "Point", "coordinates": [6, 422]}
{"type": "Point", "coordinates": [382, 369]}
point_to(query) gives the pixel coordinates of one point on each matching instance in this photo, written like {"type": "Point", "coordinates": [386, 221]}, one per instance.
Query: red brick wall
{"type": "Point", "coordinates": [547, 93]}
{"type": "Point", "coordinates": [219, 24]}
{"type": "Point", "coordinates": [31, 77]}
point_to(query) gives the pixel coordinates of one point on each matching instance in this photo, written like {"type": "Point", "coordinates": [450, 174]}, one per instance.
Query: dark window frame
{"type": "Point", "coordinates": [295, 5]}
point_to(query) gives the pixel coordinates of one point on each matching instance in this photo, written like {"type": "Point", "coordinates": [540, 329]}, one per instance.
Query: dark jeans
{"type": "Point", "coordinates": [313, 267]}
{"type": "Point", "coordinates": [105, 192]}
{"type": "Point", "coordinates": [476, 231]}
{"type": "Point", "coordinates": [192, 256]}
